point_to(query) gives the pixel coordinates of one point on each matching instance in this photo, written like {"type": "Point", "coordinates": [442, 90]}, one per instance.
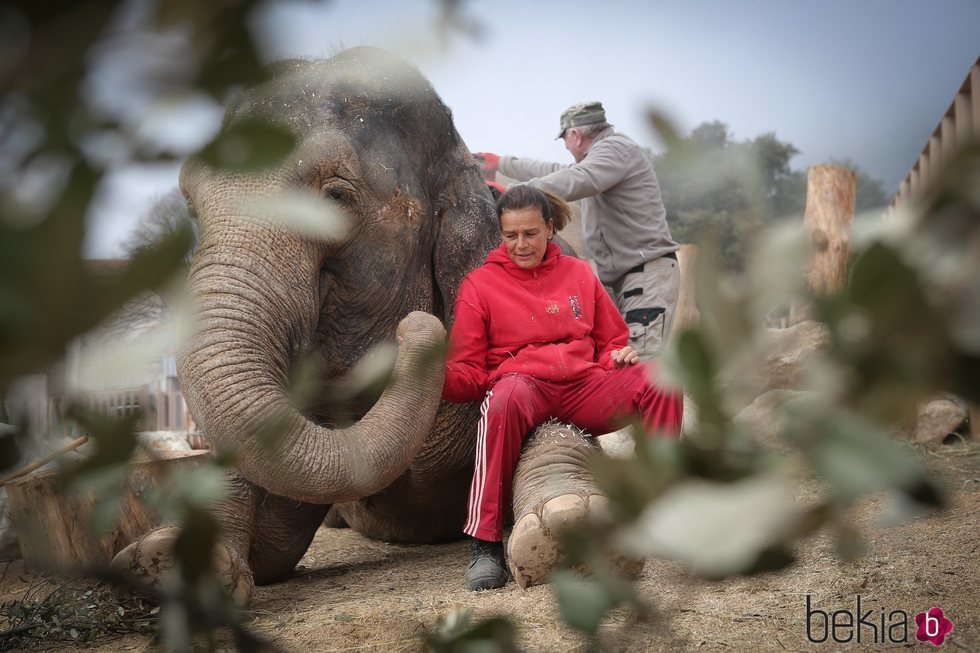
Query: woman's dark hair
{"type": "Point", "coordinates": [522, 196]}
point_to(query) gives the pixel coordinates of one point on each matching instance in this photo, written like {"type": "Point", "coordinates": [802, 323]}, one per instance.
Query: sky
{"type": "Point", "coordinates": [864, 80]}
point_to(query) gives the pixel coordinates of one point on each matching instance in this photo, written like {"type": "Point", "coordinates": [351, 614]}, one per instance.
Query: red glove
{"type": "Point", "coordinates": [489, 161]}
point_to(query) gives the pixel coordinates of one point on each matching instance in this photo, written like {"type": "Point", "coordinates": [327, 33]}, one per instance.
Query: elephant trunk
{"type": "Point", "coordinates": [235, 371]}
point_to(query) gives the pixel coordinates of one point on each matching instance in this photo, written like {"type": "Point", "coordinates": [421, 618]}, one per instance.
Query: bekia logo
{"type": "Point", "coordinates": [881, 626]}
{"type": "Point", "coordinates": [933, 626]}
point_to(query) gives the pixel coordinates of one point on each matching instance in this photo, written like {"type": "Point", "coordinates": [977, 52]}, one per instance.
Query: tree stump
{"type": "Point", "coordinates": [53, 526]}
{"type": "Point", "coordinates": [830, 200]}
{"type": "Point", "coordinates": [687, 309]}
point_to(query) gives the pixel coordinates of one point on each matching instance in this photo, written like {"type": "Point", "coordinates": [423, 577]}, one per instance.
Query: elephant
{"type": "Point", "coordinates": [376, 142]}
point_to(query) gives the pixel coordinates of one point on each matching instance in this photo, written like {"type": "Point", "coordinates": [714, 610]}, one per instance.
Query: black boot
{"type": "Point", "coordinates": [487, 570]}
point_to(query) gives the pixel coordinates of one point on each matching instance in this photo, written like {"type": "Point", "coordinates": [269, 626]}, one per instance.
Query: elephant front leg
{"type": "Point", "coordinates": [553, 490]}
{"type": "Point", "coordinates": [150, 559]}
{"type": "Point", "coordinates": [283, 531]}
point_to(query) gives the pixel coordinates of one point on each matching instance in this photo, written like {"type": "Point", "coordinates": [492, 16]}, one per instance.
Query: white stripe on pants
{"type": "Point", "coordinates": [480, 471]}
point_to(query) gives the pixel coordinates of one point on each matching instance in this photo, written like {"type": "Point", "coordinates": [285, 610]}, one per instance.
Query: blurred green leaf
{"type": "Point", "coordinates": [10, 450]}
{"type": "Point", "coordinates": [849, 544]}
{"type": "Point", "coordinates": [857, 456]}
{"type": "Point", "coordinates": [105, 512]}
{"type": "Point", "coordinates": [198, 536]}
{"type": "Point", "coordinates": [232, 59]}
{"type": "Point", "coordinates": [664, 128]}
{"type": "Point", "coordinates": [698, 376]}
{"type": "Point", "coordinates": [113, 440]}
{"type": "Point", "coordinates": [770, 558]}
{"type": "Point", "coordinates": [199, 487]}
{"type": "Point", "coordinates": [456, 634]}
{"type": "Point", "coordinates": [886, 331]}
{"type": "Point", "coordinates": [304, 382]}
{"type": "Point", "coordinates": [583, 603]}
{"type": "Point", "coordinates": [301, 212]}
{"type": "Point", "coordinates": [454, 624]}
{"type": "Point", "coordinates": [174, 627]}
{"type": "Point", "coordinates": [59, 36]}
{"type": "Point", "coordinates": [53, 296]}
{"type": "Point", "coordinates": [249, 145]}
{"type": "Point", "coordinates": [718, 529]}
{"type": "Point", "coordinates": [630, 484]}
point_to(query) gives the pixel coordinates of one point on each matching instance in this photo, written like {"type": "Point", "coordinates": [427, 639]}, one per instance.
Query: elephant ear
{"type": "Point", "coordinates": [467, 230]}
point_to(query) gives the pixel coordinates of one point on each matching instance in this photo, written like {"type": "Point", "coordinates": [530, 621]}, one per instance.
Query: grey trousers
{"type": "Point", "coordinates": [648, 301]}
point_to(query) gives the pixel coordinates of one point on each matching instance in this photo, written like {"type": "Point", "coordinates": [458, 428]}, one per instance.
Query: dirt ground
{"type": "Point", "coordinates": [354, 594]}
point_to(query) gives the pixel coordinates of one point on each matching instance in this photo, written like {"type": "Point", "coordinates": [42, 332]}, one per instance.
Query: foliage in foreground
{"type": "Point", "coordinates": [68, 614]}
{"type": "Point", "coordinates": [903, 330]}
{"type": "Point", "coordinates": [62, 133]}
{"type": "Point", "coordinates": [906, 326]}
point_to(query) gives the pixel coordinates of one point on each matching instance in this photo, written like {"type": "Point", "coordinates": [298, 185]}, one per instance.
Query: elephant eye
{"type": "Point", "coordinates": [338, 190]}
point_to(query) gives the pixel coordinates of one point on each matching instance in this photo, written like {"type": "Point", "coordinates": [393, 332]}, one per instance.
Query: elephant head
{"type": "Point", "coordinates": [376, 142]}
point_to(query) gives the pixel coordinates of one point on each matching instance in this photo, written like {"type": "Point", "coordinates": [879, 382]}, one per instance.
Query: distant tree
{"type": "Point", "coordinates": [871, 193]}
{"type": "Point", "coordinates": [710, 181]}
{"type": "Point", "coordinates": [769, 159]}
{"type": "Point", "coordinates": [166, 216]}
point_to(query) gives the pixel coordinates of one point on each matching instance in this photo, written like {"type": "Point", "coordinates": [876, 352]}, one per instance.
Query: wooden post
{"type": "Point", "coordinates": [964, 128]}
{"type": "Point", "coordinates": [830, 199]}
{"type": "Point", "coordinates": [52, 526]}
{"type": "Point", "coordinates": [925, 169]}
{"type": "Point", "coordinates": [947, 130]}
{"type": "Point", "coordinates": [687, 310]}
{"type": "Point", "coordinates": [975, 100]}
{"type": "Point", "coordinates": [914, 186]}
{"type": "Point", "coordinates": [935, 156]}
{"type": "Point", "coordinates": [903, 194]}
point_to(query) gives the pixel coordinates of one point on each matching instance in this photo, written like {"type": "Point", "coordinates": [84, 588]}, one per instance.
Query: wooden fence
{"type": "Point", "coordinates": [161, 409]}
{"type": "Point", "coordinates": [959, 125]}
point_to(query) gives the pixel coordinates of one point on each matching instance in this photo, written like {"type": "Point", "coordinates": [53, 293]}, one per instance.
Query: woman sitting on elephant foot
{"type": "Point", "coordinates": [537, 337]}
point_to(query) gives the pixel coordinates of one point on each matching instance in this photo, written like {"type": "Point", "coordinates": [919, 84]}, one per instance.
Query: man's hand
{"type": "Point", "coordinates": [625, 356]}
{"type": "Point", "coordinates": [489, 162]}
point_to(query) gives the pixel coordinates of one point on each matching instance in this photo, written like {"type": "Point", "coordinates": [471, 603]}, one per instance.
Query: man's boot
{"type": "Point", "coordinates": [487, 570]}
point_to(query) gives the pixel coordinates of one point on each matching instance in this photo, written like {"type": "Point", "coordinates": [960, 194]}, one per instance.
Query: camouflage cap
{"type": "Point", "coordinates": [587, 113]}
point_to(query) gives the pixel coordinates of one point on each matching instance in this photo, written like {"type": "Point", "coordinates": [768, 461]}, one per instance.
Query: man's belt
{"type": "Point", "coordinates": [639, 268]}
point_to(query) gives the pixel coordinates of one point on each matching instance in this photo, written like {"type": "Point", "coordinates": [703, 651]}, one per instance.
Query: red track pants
{"type": "Point", "coordinates": [516, 404]}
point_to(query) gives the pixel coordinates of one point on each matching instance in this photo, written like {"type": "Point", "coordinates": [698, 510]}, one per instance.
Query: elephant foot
{"type": "Point", "coordinates": [553, 493]}
{"type": "Point", "coordinates": [534, 549]}
{"type": "Point", "coordinates": [148, 561]}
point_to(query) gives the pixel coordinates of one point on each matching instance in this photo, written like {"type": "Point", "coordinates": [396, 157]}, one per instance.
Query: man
{"type": "Point", "coordinates": [623, 219]}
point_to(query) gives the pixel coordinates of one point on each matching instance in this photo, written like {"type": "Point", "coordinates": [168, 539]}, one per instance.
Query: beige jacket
{"type": "Point", "coordinates": [623, 218]}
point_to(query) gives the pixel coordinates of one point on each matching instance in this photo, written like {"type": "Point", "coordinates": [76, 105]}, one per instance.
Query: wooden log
{"type": "Point", "coordinates": [830, 200]}
{"type": "Point", "coordinates": [687, 309]}
{"type": "Point", "coordinates": [44, 460]}
{"type": "Point", "coordinates": [53, 526]}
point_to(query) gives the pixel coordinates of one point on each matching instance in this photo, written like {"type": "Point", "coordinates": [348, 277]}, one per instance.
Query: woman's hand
{"type": "Point", "coordinates": [625, 356]}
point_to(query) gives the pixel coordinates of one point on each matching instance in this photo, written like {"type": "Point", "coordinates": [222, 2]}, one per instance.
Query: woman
{"type": "Point", "coordinates": [536, 337]}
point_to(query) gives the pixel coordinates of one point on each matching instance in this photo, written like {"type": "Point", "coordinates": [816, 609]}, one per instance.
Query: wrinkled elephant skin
{"type": "Point", "coordinates": [375, 143]}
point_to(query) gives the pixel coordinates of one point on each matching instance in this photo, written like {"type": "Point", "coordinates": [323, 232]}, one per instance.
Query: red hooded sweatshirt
{"type": "Point", "coordinates": [554, 322]}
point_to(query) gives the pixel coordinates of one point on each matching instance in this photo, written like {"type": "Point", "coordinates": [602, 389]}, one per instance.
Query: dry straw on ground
{"type": "Point", "coordinates": [357, 595]}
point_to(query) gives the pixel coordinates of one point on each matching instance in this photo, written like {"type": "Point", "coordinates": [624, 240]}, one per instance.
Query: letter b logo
{"type": "Point", "coordinates": [810, 613]}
